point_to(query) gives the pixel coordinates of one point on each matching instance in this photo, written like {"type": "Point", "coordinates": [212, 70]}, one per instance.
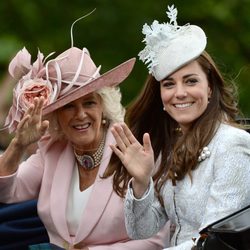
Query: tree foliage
{"type": "Point", "coordinates": [113, 33]}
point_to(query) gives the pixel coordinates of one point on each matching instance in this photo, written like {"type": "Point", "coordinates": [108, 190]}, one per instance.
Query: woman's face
{"type": "Point", "coordinates": [81, 121]}
{"type": "Point", "coordinates": [185, 94]}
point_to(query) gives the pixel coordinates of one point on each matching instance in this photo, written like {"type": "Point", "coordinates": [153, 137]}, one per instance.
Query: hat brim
{"type": "Point", "coordinates": [109, 79]}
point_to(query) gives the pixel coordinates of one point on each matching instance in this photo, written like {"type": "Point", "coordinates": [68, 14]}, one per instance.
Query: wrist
{"type": "Point", "coordinates": [11, 157]}
{"type": "Point", "coordinates": [16, 148]}
{"type": "Point", "coordinates": [17, 145]}
{"type": "Point", "coordinates": [140, 187]}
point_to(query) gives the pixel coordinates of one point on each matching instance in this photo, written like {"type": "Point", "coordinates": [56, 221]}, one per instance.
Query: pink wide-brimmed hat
{"type": "Point", "coordinates": [61, 80]}
{"type": "Point", "coordinates": [77, 75]}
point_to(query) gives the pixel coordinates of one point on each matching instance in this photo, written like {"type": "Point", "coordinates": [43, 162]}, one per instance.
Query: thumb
{"type": "Point", "coordinates": [147, 143]}
{"type": "Point", "coordinates": [44, 126]}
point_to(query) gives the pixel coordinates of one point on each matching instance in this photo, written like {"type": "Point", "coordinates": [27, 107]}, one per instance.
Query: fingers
{"type": "Point", "coordinates": [147, 143]}
{"type": "Point", "coordinates": [118, 133]}
{"type": "Point", "coordinates": [129, 135]}
{"type": "Point", "coordinates": [124, 137]}
{"type": "Point", "coordinates": [33, 114]}
{"type": "Point", "coordinates": [44, 127]}
{"type": "Point", "coordinates": [24, 120]}
{"type": "Point", "coordinates": [38, 105]}
{"type": "Point", "coordinates": [117, 151]}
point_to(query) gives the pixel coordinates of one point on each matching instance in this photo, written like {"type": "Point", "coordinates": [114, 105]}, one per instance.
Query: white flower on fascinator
{"type": "Point", "coordinates": [31, 83]}
{"type": "Point", "coordinates": [158, 35]}
{"type": "Point", "coordinates": [172, 14]}
{"type": "Point", "coordinates": [169, 46]}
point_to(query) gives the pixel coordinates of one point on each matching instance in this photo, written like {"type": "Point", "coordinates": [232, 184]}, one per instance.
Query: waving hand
{"type": "Point", "coordinates": [31, 128]}
{"type": "Point", "coordinates": [137, 159]}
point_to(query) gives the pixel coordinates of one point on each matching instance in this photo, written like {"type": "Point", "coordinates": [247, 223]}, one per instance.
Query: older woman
{"type": "Point", "coordinates": [77, 205]}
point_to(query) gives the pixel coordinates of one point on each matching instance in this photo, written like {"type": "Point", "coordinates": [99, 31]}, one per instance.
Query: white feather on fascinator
{"type": "Point", "coordinates": [170, 46]}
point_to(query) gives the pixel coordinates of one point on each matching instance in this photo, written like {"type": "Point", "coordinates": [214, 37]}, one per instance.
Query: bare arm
{"type": "Point", "coordinates": [30, 129]}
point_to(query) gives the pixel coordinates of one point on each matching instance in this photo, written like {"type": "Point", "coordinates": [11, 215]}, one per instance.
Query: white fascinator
{"type": "Point", "coordinates": [170, 46]}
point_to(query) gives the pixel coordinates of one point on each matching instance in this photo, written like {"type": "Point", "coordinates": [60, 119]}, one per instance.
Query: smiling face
{"type": "Point", "coordinates": [81, 122]}
{"type": "Point", "coordinates": [185, 94]}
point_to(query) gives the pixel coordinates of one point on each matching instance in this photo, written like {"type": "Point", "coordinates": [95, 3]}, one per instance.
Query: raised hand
{"type": "Point", "coordinates": [31, 128]}
{"type": "Point", "coordinates": [137, 159]}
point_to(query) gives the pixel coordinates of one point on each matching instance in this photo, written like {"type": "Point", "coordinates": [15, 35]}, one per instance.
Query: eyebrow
{"type": "Point", "coordinates": [185, 76]}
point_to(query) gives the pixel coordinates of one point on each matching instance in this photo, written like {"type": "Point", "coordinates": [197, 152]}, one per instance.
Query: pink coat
{"type": "Point", "coordinates": [46, 175]}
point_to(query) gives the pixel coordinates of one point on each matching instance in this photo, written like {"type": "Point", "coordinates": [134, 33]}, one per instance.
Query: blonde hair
{"type": "Point", "coordinates": [113, 110]}
{"type": "Point", "coordinates": [112, 106]}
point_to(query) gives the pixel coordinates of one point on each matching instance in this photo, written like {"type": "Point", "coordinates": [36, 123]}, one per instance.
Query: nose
{"type": "Point", "coordinates": [80, 113]}
{"type": "Point", "coordinates": [180, 92]}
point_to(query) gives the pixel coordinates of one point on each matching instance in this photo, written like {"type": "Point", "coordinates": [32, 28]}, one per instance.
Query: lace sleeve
{"type": "Point", "coordinates": [144, 217]}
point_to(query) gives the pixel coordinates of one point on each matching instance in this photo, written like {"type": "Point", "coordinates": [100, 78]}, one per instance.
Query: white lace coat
{"type": "Point", "coordinates": [219, 187]}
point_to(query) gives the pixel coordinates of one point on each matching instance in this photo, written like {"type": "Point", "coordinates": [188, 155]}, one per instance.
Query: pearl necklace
{"type": "Point", "coordinates": [91, 161]}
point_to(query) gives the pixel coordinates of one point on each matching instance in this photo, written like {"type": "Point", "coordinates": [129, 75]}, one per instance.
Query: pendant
{"type": "Point", "coordinates": [87, 161]}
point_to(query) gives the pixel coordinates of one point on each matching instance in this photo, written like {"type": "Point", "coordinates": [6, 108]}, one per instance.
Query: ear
{"type": "Point", "coordinates": [209, 91]}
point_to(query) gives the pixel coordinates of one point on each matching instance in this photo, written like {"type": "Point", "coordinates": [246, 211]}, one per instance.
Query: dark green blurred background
{"type": "Point", "coordinates": [113, 33]}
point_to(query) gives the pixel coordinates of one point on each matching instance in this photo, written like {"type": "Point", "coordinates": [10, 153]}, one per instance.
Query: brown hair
{"type": "Point", "coordinates": [179, 154]}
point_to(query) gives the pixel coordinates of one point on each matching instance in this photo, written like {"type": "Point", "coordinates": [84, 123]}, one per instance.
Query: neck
{"type": "Point", "coordinates": [91, 147]}
{"type": "Point", "coordinates": [91, 160]}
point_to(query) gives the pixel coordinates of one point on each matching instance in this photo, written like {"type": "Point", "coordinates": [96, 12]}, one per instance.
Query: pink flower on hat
{"type": "Point", "coordinates": [33, 88]}
{"type": "Point", "coordinates": [31, 83]}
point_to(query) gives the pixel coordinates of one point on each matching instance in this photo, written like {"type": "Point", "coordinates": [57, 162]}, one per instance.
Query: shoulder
{"type": "Point", "coordinates": [231, 145]}
{"type": "Point", "coordinates": [228, 135]}
{"type": "Point", "coordinates": [230, 157]}
{"type": "Point", "coordinates": [48, 144]}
